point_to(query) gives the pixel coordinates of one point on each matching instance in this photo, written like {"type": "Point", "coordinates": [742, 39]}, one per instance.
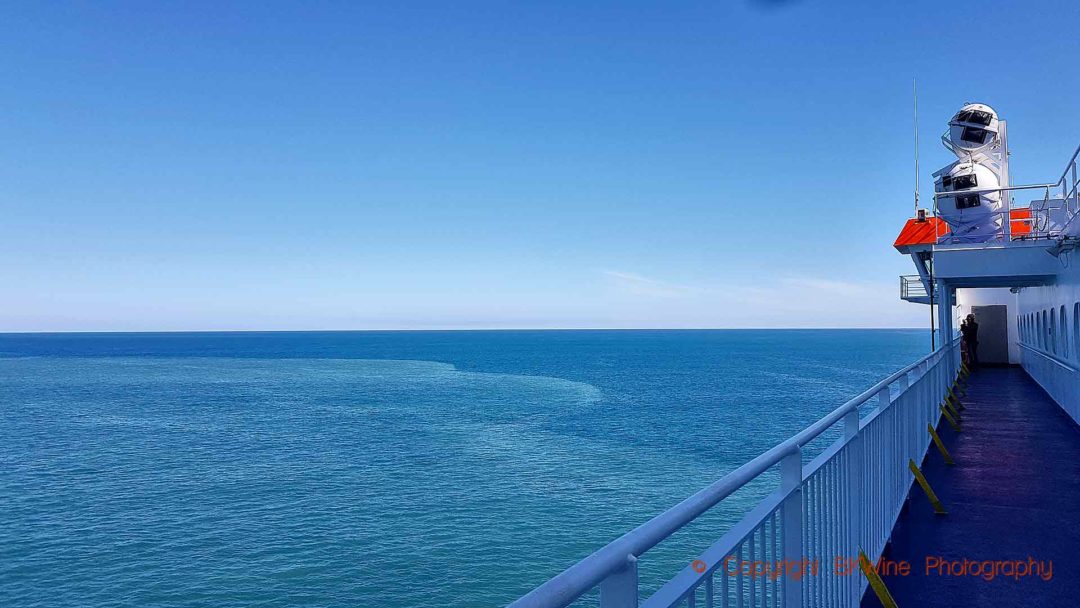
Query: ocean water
{"type": "Point", "coordinates": [392, 469]}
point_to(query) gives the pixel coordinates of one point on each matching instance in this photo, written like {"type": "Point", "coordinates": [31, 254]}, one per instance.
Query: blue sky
{"type": "Point", "coordinates": [480, 165]}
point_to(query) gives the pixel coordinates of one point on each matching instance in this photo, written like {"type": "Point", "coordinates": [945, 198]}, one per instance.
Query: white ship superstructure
{"type": "Point", "coordinates": [1004, 253]}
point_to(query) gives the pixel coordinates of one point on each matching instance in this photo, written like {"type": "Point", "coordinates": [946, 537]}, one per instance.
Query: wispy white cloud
{"type": "Point", "coordinates": [644, 286]}
{"type": "Point", "coordinates": [837, 287]}
{"type": "Point", "coordinates": [785, 301]}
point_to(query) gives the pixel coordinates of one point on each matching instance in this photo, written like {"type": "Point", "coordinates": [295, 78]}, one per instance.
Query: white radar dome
{"type": "Point", "coordinates": [972, 215]}
{"type": "Point", "coordinates": [973, 128]}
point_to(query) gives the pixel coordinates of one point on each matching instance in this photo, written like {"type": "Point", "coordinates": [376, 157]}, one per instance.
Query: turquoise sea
{"type": "Point", "coordinates": [393, 469]}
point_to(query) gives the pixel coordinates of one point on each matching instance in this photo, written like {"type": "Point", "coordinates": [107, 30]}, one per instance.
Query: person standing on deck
{"type": "Point", "coordinates": [969, 330]}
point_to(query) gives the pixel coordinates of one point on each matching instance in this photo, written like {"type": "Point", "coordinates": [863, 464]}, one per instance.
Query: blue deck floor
{"type": "Point", "coordinates": [1014, 493]}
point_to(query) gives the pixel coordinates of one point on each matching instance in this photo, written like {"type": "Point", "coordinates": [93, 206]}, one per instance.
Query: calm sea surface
{"type": "Point", "coordinates": [389, 469]}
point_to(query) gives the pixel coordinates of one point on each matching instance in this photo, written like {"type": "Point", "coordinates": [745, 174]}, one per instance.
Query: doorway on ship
{"type": "Point", "coordinates": [993, 323]}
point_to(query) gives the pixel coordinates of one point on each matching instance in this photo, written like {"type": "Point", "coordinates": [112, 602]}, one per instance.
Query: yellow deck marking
{"type": "Point", "coordinates": [956, 400]}
{"type": "Point", "coordinates": [938, 509]}
{"type": "Point", "coordinates": [949, 399]}
{"type": "Point", "coordinates": [876, 583]}
{"type": "Point", "coordinates": [952, 410]}
{"type": "Point", "coordinates": [960, 388]}
{"type": "Point", "coordinates": [952, 421]}
{"type": "Point", "coordinates": [959, 405]}
{"type": "Point", "coordinates": [939, 444]}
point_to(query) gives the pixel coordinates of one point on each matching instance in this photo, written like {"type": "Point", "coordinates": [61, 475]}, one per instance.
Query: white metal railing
{"type": "Point", "coordinates": [1057, 360]}
{"type": "Point", "coordinates": [912, 287]}
{"type": "Point", "coordinates": [1069, 193]}
{"type": "Point", "coordinates": [845, 499]}
{"type": "Point", "coordinates": [1047, 220]}
{"type": "Point", "coordinates": [1058, 376]}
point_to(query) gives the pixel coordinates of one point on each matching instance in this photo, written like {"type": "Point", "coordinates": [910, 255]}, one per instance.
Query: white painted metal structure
{"type": "Point", "coordinates": [968, 191]}
{"type": "Point", "coordinates": [1048, 318]}
{"type": "Point", "coordinates": [1031, 271]}
{"type": "Point", "coordinates": [973, 210]}
{"type": "Point", "coordinates": [846, 498]}
{"type": "Point", "coordinates": [975, 129]}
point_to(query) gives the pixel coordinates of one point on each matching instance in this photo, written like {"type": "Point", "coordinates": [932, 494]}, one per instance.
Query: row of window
{"type": "Point", "coordinates": [1048, 330]}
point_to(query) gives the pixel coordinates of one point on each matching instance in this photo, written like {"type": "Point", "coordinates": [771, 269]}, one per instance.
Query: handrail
{"type": "Point", "coordinates": [950, 193]}
{"type": "Point", "coordinates": [1051, 356]}
{"type": "Point", "coordinates": [583, 576]}
{"type": "Point", "coordinates": [1068, 166]}
{"type": "Point", "coordinates": [1060, 181]}
{"type": "Point", "coordinates": [912, 286]}
{"type": "Point", "coordinates": [1069, 198]}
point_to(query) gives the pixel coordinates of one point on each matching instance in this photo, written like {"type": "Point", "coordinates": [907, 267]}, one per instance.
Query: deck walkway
{"type": "Point", "coordinates": [1013, 494]}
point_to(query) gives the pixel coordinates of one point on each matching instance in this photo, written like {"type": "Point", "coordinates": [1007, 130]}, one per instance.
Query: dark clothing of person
{"type": "Point", "coordinates": [970, 332]}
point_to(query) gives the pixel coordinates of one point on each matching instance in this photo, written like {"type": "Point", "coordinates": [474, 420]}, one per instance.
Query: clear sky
{"type": "Point", "coordinates": [322, 165]}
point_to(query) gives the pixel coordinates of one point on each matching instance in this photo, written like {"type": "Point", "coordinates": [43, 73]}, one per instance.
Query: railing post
{"type": "Point", "coordinates": [954, 352]}
{"type": "Point", "coordinates": [855, 494]}
{"type": "Point", "coordinates": [905, 414]}
{"type": "Point", "coordinates": [620, 589]}
{"type": "Point", "coordinates": [791, 512]}
{"type": "Point", "coordinates": [931, 392]}
{"type": "Point", "coordinates": [1075, 191]}
{"type": "Point", "coordinates": [939, 373]}
{"type": "Point", "coordinates": [887, 449]}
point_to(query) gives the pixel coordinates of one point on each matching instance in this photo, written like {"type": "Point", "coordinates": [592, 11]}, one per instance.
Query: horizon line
{"type": "Point", "coordinates": [443, 329]}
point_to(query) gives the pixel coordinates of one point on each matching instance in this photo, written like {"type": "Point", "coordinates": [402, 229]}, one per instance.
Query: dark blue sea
{"type": "Point", "coordinates": [391, 469]}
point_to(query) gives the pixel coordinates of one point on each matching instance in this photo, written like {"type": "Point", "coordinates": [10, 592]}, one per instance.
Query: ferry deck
{"type": "Point", "coordinates": [1012, 494]}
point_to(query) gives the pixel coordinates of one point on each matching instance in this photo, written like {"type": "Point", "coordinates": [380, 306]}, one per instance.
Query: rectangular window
{"type": "Point", "coordinates": [975, 116]}
{"type": "Point", "coordinates": [981, 118]}
{"type": "Point", "coordinates": [963, 182]}
{"type": "Point", "coordinates": [968, 201]}
{"type": "Point", "coordinates": [974, 135]}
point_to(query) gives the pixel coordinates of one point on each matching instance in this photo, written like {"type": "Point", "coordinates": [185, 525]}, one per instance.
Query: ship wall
{"type": "Point", "coordinates": [1052, 349]}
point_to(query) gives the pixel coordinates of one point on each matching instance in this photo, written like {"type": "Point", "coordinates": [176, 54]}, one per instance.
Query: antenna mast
{"type": "Point", "coordinates": [915, 95]}
{"type": "Point", "coordinates": [930, 260]}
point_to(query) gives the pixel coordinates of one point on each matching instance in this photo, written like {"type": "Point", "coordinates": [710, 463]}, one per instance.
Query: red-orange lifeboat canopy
{"type": "Point", "coordinates": [918, 235]}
